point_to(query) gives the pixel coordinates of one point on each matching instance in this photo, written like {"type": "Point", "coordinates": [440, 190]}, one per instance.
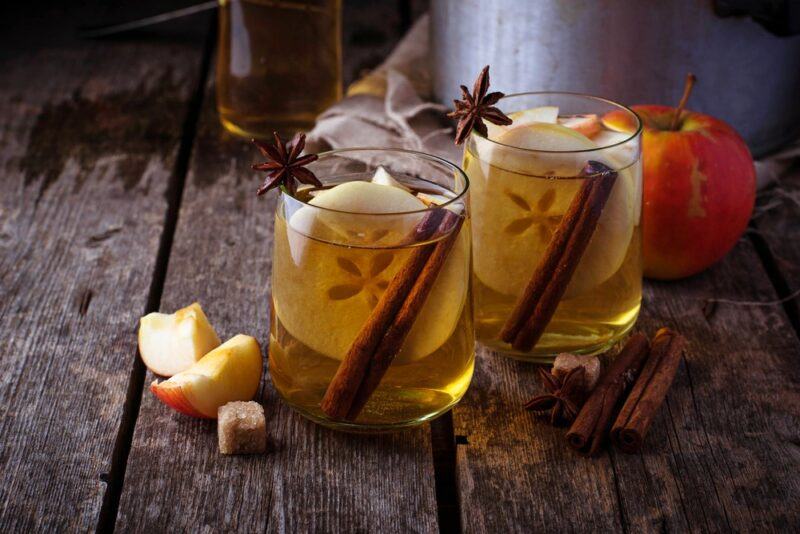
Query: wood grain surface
{"type": "Point", "coordinates": [312, 480]}
{"type": "Point", "coordinates": [120, 194]}
{"type": "Point", "coordinates": [722, 452]}
{"type": "Point", "coordinates": [774, 230]}
{"type": "Point", "coordinates": [84, 177]}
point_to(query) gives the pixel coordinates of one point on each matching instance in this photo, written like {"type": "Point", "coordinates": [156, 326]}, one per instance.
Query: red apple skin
{"type": "Point", "coordinates": [173, 397]}
{"type": "Point", "coordinates": [699, 191]}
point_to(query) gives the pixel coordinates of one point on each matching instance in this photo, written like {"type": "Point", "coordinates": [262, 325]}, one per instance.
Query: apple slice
{"type": "Point", "coordinates": [338, 284]}
{"type": "Point", "coordinates": [367, 197]}
{"type": "Point", "coordinates": [343, 221]}
{"type": "Point", "coordinates": [546, 114]}
{"type": "Point", "coordinates": [619, 121]}
{"type": "Point", "coordinates": [433, 199]}
{"type": "Point", "coordinates": [171, 343]}
{"type": "Point", "coordinates": [382, 177]}
{"type": "Point", "coordinates": [588, 125]}
{"type": "Point", "coordinates": [608, 138]}
{"type": "Point", "coordinates": [558, 150]}
{"type": "Point", "coordinates": [231, 372]}
{"type": "Point", "coordinates": [513, 205]}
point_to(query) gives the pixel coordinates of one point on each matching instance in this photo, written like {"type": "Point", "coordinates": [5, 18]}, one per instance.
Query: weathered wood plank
{"type": "Point", "coordinates": [88, 138]}
{"type": "Point", "coordinates": [722, 453]}
{"type": "Point", "coordinates": [515, 474]}
{"type": "Point", "coordinates": [777, 224]}
{"type": "Point", "coordinates": [725, 448]}
{"type": "Point", "coordinates": [313, 479]}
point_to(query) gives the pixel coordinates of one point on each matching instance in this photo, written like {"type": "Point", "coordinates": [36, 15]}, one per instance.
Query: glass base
{"type": "Point", "coordinates": [263, 130]}
{"type": "Point", "coordinates": [360, 428]}
{"type": "Point", "coordinates": [546, 356]}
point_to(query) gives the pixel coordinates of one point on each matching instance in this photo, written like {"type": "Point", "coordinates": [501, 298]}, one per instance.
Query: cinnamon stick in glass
{"type": "Point", "coordinates": [591, 426]}
{"type": "Point", "coordinates": [538, 303]}
{"type": "Point", "coordinates": [385, 331]}
{"type": "Point", "coordinates": [649, 391]}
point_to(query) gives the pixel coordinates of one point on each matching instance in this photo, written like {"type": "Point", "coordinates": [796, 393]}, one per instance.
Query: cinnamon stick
{"type": "Point", "coordinates": [397, 332]}
{"type": "Point", "coordinates": [649, 391]}
{"type": "Point", "coordinates": [383, 334]}
{"type": "Point", "coordinates": [591, 426]}
{"type": "Point", "coordinates": [538, 303]}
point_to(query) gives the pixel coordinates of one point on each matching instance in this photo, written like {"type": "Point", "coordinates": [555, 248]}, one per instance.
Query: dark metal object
{"type": "Point", "coordinates": [631, 52]}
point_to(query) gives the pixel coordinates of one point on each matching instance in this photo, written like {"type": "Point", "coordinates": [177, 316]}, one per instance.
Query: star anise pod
{"type": "Point", "coordinates": [474, 108]}
{"type": "Point", "coordinates": [562, 399]}
{"type": "Point", "coordinates": [284, 165]}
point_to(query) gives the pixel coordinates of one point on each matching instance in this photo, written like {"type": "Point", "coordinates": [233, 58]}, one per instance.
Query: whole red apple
{"type": "Point", "coordinates": [699, 189]}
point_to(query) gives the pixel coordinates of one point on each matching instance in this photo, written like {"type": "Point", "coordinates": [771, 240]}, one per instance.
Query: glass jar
{"type": "Point", "coordinates": [371, 319]}
{"type": "Point", "coordinates": [278, 64]}
{"type": "Point", "coordinates": [525, 179]}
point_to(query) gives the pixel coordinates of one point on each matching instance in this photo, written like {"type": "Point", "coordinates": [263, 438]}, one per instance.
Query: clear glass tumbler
{"type": "Point", "coordinates": [278, 64]}
{"type": "Point", "coordinates": [373, 270]}
{"type": "Point", "coordinates": [526, 177]}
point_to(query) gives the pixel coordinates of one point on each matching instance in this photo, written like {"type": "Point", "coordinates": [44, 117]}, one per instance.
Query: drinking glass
{"type": "Point", "coordinates": [336, 272]}
{"type": "Point", "coordinates": [278, 64]}
{"type": "Point", "coordinates": [524, 179]}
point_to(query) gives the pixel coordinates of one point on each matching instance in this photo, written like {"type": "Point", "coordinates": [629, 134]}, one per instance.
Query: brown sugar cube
{"type": "Point", "coordinates": [565, 362]}
{"type": "Point", "coordinates": [242, 428]}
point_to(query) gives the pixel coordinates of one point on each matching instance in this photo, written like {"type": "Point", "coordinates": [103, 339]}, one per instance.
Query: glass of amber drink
{"type": "Point", "coordinates": [556, 206]}
{"type": "Point", "coordinates": [279, 64]}
{"type": "Point", "coordinates": [371, 324]}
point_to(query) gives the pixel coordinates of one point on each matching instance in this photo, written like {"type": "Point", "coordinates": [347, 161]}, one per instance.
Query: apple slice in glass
{"type": "Point", "coordinates": [340, 283]}
{"type": "Point", "coordinates": [513, 203]}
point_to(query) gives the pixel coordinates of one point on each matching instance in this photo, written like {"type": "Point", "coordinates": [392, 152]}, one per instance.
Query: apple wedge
{"type": "Point", "coordinates": [525, 117]}
{"type": "Point", "coordinates": [620, 121]}
{"type": "Point", "coordinates": [588, 125]}
{"type": "Point", "coordinates": [231, 372]}
{"type": "Point", "coordinates": [315, 269]}
{"type": "Point", "coordinates": [512, 204]}
{"type": "Point", "coordinates": [382, 177]}
{"type": "Point", "coordinates": [171, 343]}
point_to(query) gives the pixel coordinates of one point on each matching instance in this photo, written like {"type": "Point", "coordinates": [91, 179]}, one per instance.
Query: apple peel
{"type": "Point", "coordinates": [588, 125]}
{"type": "Point", "coordinates": [231, 372]}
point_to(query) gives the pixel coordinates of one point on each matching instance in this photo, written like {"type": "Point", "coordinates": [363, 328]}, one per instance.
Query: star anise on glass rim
{"type": "Point", "coordinates": [563, 398]}
{"type": "Point", "coordinates": [284, 165]}
{"type": "Point", "coordinates": [474, 108]}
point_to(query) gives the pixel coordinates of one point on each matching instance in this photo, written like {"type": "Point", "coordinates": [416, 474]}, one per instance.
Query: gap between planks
{"type": "Point", "coordinates": [443, 439]}
{"type": "Point", "coordinates": [448, 502]}
{"type": "Point", "coordinates": [133, 397]}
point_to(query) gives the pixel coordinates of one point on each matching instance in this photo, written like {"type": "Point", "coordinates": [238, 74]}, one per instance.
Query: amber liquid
{"type": "Point", "coordinates": [515, 215]}
{"type": "Point", "coordinates": [322, 295]}
{"type": "Point", "coordinates": [278, 64]}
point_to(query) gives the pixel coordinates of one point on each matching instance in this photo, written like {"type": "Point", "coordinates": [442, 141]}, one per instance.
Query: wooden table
{"type": "Point", "coordinates": [121, 195]}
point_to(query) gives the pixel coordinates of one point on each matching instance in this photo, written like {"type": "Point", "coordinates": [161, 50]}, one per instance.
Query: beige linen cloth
{"type": "Point", "coordinates": [389, 108]}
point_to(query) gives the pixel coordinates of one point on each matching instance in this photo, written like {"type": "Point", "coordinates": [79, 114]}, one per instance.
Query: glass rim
{"type": "Point", "coordinates": [414, 153]}
{"type": "Point", "coordinates": [639, 124]}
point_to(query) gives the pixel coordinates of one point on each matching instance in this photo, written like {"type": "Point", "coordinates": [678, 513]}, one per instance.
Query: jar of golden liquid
{"type": "Point", "coordinates": [278, 63]}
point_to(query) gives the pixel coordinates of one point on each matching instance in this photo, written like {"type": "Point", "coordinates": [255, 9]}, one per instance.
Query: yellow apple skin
{"type": "Point", "coordinates": [171, 343]}
{"type": "Point", "coordinates": [231, 372]}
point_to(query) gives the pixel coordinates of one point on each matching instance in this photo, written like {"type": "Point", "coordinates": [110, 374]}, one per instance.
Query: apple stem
{"type": "Point", "coordinates": [687, 90]}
